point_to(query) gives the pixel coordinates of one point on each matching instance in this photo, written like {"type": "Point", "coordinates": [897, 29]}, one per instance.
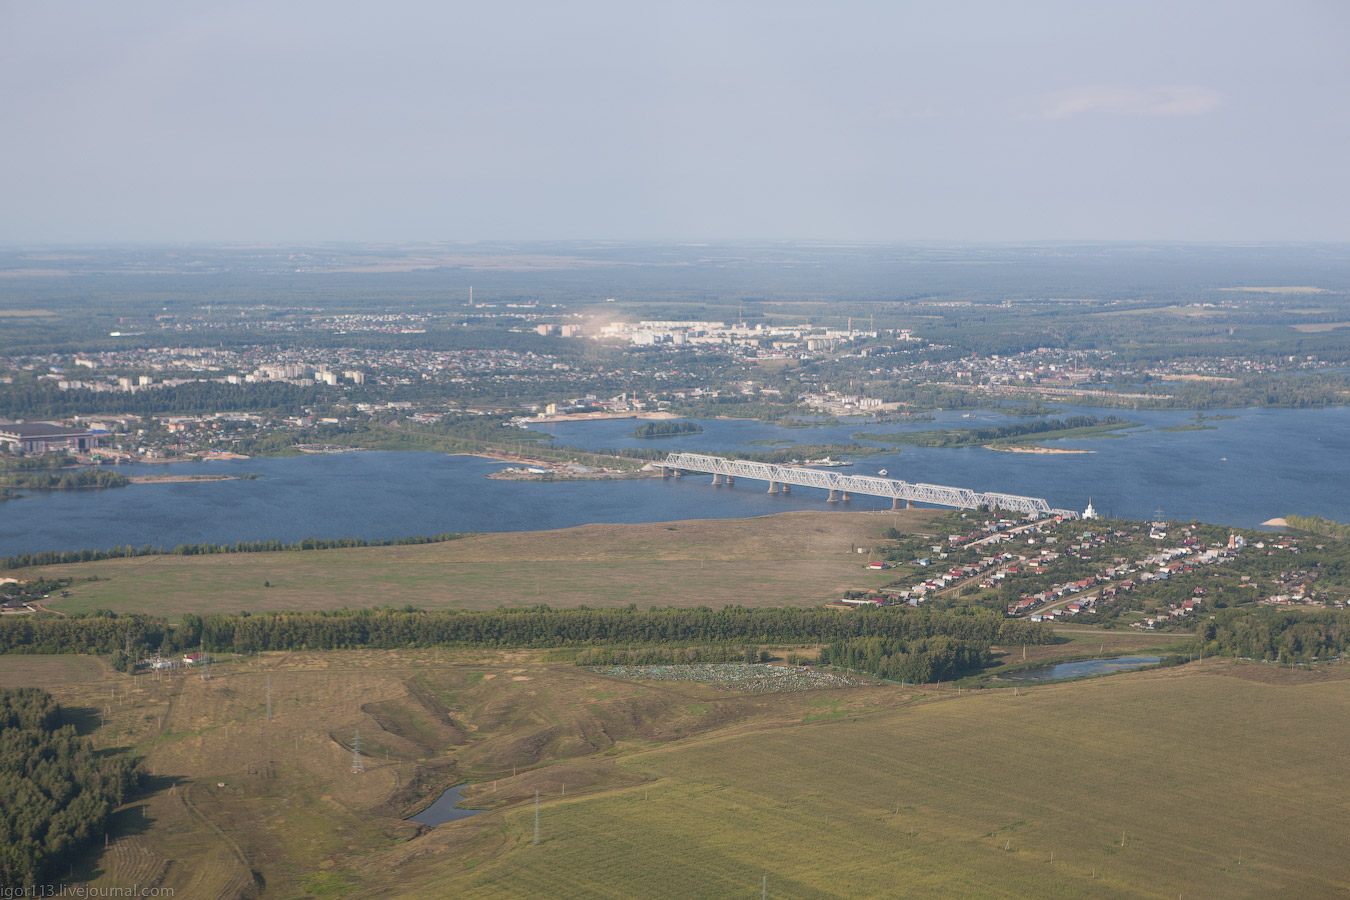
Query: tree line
{"type": "Point", "coordinates": [65, 557]}
{"type": "Point", "coordinates": [56, 792]}
{"type": "Point", "coordinates": [938, 658]}
{"type": "Point", "coordinates": [537, 626]}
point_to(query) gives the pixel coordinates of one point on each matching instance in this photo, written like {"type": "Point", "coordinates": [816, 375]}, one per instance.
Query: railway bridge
{"type": "Point", "coordinates": [842, 487]}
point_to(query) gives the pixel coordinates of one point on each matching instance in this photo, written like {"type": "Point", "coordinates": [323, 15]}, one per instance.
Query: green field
{"type": "Point", "coordinates": [797, 558]}
{"type": "Point", "coordinates": [1225, 779]}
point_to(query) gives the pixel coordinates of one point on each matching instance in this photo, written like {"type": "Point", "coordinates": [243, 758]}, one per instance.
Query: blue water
{"type": "Point", "coordinates": [1261, 464]}
{"type": "Point", "coordinates": [444, 810]}
{"type": "Point", "coordinates": [1081, 668]}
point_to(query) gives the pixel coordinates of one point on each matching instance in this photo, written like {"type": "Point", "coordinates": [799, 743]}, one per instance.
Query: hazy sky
{"type": "Point", "coordinates": [282, 121]}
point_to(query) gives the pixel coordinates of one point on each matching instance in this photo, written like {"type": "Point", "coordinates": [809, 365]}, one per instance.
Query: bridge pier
{"type": "Point", "coordinates": [845, 496]}
{"type": "Point", "coordinates": [773, 487]}
{"type": "Point", "coordinates": [717, 478]}
{"type": "Point", "coordinates": [909, 504]}
{"type": "Point", "coordinates": [834, 496]}
{"type": "Point", "coordinates": [665, 473]}
{"type": "Point", "coordinates": [679, 474]}
{"type": "Point", "coordinates": [731, 479]}
{"type": "Point", "coordinates": [895, 503]}
{"type": "Point", "coordinates": [786, 488]}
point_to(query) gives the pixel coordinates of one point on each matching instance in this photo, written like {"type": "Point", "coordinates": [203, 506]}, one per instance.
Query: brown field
{"type": "Point", "coordinates": [46, 671]}
{"type": "Point", "coordinates": [1320, 326]}
{"type": "Point", "coordinates": [796, 558]}
{"type": "Point", "coordinates": [1214, 780]}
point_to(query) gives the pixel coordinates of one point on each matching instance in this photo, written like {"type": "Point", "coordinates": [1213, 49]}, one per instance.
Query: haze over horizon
{"type": "Point", "coordinates": [874, 122]}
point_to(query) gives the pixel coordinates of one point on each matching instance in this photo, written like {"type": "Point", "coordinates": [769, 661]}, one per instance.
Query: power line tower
{"type": "Point", "coordinates": [358, 767]}
{"type": "Point", "coordinates": [205, 662]}
{"type": "Point", "coordinates": [536, 815]}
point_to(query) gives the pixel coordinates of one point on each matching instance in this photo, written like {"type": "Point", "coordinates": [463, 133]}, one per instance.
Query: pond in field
{"type": "Point", "coordinates": [444, 809]}
{"type": "Point", "coordinates": [1082, 667]}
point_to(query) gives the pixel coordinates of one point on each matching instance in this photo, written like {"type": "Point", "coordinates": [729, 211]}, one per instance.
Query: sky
{"type": "Point", "coordinates": [1189, 120]}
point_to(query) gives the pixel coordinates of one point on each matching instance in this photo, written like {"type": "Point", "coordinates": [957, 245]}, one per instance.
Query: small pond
{"type": "Point", "coordinates": [1082, 667]}
{"type": "Point", "coordinates": [444, 809]}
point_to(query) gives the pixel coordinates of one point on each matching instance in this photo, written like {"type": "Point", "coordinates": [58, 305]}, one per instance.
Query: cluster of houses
{"type": "Point", "coordinates": [1157, 566]}
{"type": "Point", "coordinates": [1295, 587]}
{"type": "Point", "coordinates": [1173, 612]}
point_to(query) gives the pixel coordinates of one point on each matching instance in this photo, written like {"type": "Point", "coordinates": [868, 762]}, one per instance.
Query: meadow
{"type": "Point", "coordinates": [788, 559]}
{"type": "Point", "coordinates": [1215, 779]}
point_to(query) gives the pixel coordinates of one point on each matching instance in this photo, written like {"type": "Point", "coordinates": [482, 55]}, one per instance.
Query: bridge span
{"type": "Point", "coordinates": [842, 487]}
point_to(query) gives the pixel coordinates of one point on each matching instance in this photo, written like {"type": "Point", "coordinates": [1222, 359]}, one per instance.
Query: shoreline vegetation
{"type": "Point", "coordinates": [67, 481]}
{"type": "Point", "coordinates": [1316, 525]}
{"type": "Point", "coordinates": [65, 557]}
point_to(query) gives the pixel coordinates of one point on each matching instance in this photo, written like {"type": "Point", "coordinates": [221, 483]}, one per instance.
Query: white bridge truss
{"type": "Point", "coordinates": [842, 486]}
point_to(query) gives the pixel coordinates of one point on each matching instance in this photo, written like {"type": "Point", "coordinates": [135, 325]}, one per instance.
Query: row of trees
{"type": "Point", "coordinates": [56, 792]}
{"type": "Point", "coordinates": [56, 558]}
{"type": "Point", "coordinates": [537, 626]}
{"type": "Point", "coordinates": [920, 661]}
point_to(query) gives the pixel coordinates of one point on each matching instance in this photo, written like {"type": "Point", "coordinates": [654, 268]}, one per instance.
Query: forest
{"type": "Point", "coordinates": [922, 661]}
{"type": "Point", "coordinates": [1275, 635]}
{"type": "Point", "coordinates": [56, 792]}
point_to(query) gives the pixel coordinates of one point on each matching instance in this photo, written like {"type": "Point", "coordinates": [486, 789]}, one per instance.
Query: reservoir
{"type": "Point", "coordinates": [444, 809]}
{"type": "Point", "coordinates": [1242, 471]}
{"type": "Point", "coordinates": [1081, 668]}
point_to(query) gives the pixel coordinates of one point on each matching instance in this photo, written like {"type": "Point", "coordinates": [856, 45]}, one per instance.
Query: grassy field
{"type": "Point", "coordinates": [796, 558]}
{"type": "Point", "coordinates": [1215, 780]}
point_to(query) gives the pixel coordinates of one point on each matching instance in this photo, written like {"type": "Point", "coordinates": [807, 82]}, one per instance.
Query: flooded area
{"type": "Point", "coordinates": [1081, 668]}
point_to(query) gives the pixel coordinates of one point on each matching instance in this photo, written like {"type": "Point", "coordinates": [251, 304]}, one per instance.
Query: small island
{"type": "Point", "coordinates": [666, 429]}
{"type": "Point", "coordinates": [1021, 437]}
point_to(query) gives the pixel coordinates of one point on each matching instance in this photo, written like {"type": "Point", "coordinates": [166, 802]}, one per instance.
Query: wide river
{"type": "Point", "coordinates": [1260, 464]}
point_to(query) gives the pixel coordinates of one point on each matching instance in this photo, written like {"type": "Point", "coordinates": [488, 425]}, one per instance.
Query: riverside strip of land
{"type": "Point", "coordinates": [793, 559]}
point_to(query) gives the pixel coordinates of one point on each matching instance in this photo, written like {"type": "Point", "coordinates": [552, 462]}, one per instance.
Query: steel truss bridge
{"type": "Point", "coordinates": [842, 487]}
